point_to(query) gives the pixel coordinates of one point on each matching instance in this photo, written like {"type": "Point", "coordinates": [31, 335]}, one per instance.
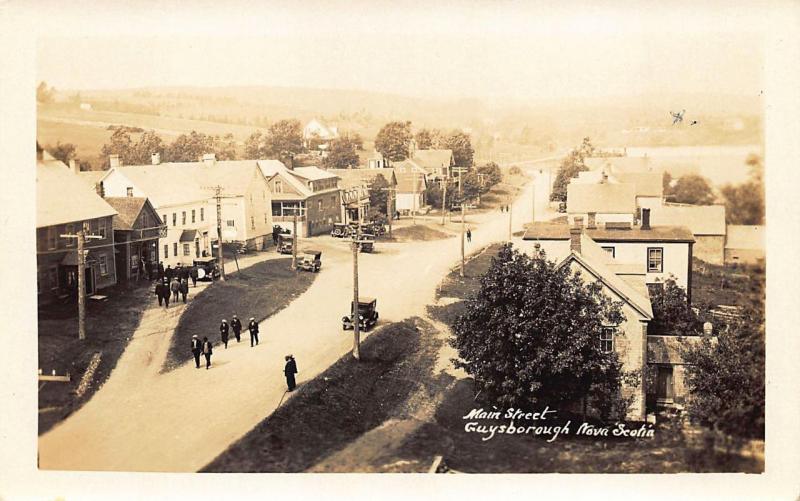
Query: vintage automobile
{"type": "Point", "coordinates": [207, 268]}
{"type": "Point", "coordinates": [311, 260]}
{"type": "Point", "coordinates": [367, 315]}
{"type": "Point", "coordinates": [285, 244]}
{"type": "Point", "coordinates": [340, 230]}
{"type": "Point", "coordinates": [366, 243]}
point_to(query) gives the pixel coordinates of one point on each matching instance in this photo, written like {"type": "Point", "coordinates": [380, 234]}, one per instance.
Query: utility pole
{"type": "Point", "coordinates": [81, 236]}
{"type": "Point", "coordinates": [356, 320]}
{"type": "Point", "coordinates": [444, 199]}
{"type": "Point", "coordinates": [218, 197]}
{"type": "Point", "coordinates": [389, 214]}
{"type": "Point", "coordinates": [463, 205]}
{"type": "Point", "coordinates": [294, 239]}
{"type": "Point", "coordinates": [509, 217]}
{"type": "Point", "coordinates": [414, 203]}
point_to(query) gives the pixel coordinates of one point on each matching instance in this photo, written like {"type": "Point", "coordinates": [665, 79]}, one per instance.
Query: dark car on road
{"type": "Point", "coordinates": [367, 314]}
{"type": "Point", "coordinates": [207, 268]}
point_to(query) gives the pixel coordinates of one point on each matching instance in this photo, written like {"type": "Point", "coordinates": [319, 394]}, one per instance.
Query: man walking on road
{"type": "Point", "coordinates": [165, 292]}
{"type": "Point", "coordinates": [160, 292]}
{"type": "Point", "coordinates": [175, 287]}
{"type": "Point", "coordinates": [184, 288]}
{"type": "Point", "coordinates": [169, 272]}
{"type": "Point", "coordinates": [236, 325]}
{"type": "Point", "coordinates": [253, 327]}
{"type": "Point", "coordinates": [160, 270]}
{"type": "Point", "coordinates": [207, 352]}
{"type": "Point", "coordinates": [193, 274]}
{"type": "Point", "coordinates": [469, 235]}
{"type": "Point", "coordinates": [197, 348]}
{"type": "Point", "coordinates": [290, 369]}
{"type": "Point", "coordinates": [223, 332]}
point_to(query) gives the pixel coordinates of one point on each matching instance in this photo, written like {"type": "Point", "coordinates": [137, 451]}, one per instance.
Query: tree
{"type": "Point", "coordinates": [119, 144]}
{"type": "Point", "coordinates": [666, 182]}
{"type": "Point", "coordinates": [491, 174]}
{"type": "Point", "coordinates": [461, 145]}
{"type": "Point", "coordinates": [672, 314]}
{"type": "Point", "coordinates": [530, 335]}
{"type": "Point", "coordinates": [225, 147]}
{"type": "Point", "coordinates": [44, 94]}
{"type": "Point", "coordinates": [393, 140]}
{"type": "Point", "coordinates": [341, 154]}
{"type": "Point", "coordinates": [725, 378]}
{"type": "Point", "coordinates": [744, 203]}
{"type": "Point", "coordinates": [189, 147]}
{"type": "Point", "coordinates": [378, 195]}
{"type": "Point", "coordinates": [691, 189]}
{"type": "Point", "coordinates": [284, 137]}
{"type": "Point", "coordinates": [424, 139]}
{"type": "Point", "coordinates": [570, 166]}
{"type": "Point", "coordinates": [62, 151]}
{"type": "Point", "coordinates": [255, 146]}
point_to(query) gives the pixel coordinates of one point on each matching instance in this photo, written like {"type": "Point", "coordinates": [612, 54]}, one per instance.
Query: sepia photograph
{"type": "Point", "coordinates": [480, 237]}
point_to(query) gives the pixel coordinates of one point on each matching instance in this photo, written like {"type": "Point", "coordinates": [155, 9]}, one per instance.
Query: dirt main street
{"type": "Point", "coordinates": [181, 420]}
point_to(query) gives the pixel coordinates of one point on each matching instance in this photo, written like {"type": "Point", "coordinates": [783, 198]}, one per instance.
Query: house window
{"type": "Point", "coordinates": [655, 260]}
{"type": "Point", "coordinates": [129, 191]}
{"type": "Point", "coordinates": [187, 250]}
{"type": "Point", "coordinates": [231, 223]}
{"type": "Point", "coordinates": [103, 264]}
{"type": "Point", "coordinates": [252, 223]}
{"type": "Point", "coordinates": [610, 250]}
{"type": "Point", "coordinates": [183, 218]}
{"type": "Point", "coordinates": [70, 231]}
{"type": "Point", "coordinates": [166, 251]}
{"type": "Point", "coordinates": [607, 339]}
{"type": "Point", "coordinates": [193, 211]}
{"type": "Point", "coordinates": [201, 213]}
{"type": "Point", "coordinates": [50, 239]}
{"type": "Point", "coordinates": [278, 186]}
{"type": "Point", "coordinates": [101, 227]}
{"type": "Point", "coordinates": [333, 201]}
{"type": "Point", "coordinates": [174, 219]}
{"type": "Point", "coordinates": [175, 249]}
{"type": "Point", "coordinates": [145, 220]}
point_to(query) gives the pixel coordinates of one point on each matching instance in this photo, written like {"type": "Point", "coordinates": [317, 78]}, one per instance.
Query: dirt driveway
{"type": "Point", "coordinates": [181, 420]}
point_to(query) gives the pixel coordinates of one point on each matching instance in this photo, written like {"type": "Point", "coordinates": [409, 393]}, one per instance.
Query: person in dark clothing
{"type": "Point", "coordinates": [469, 235]}
{"type": "Point", "coordinates": [175, 287]}
{"type": "Point", "coordinates": [160, 292]}
{"type": "Point", "coordinates": [193, 275]}
{"type": "Point", "coordinates": [160, 270]}
{"type": "Point", "coordinates": [290, 369]}
{"type": "Point", "coordinates": [223, 332]}
{"type": "Point", "coordinates": [169, 273]}
{"type": "Point", "coordinates": [207, 351]}
{"type": "Point", "coordinates": [148, 266]}
{"type": "Point", "coordinates": [184, 288]}
{"type": "Point", "coordinates": [253, 327]}
{"type": "Point", "coordinates": [197, 348]}
{"type": "Point", "coordinates": [165, 292]}
{"type": "Point", "coordinates": [236, 325]}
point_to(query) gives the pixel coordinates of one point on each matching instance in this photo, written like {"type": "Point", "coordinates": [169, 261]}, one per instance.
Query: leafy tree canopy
{"type": "Point", "coordinates": [342, 154]}
{"type": "Point", "coordinates": [744, 203]}
{"type": "Point", "coordinates": [393, 140]}
{"type": "Point", "coordinates": [461, 145]}
{"type": "Point", "coordinates": [570, 166]}
{"type": "Point", "coordinates": [691, 189]}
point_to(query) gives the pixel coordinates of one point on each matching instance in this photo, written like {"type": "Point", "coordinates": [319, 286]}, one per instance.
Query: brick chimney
{"type": "Point", "coordinates": [100, 189]}
{"type": "Point", "coordinates": [113, 161]}
{"type": "Point", "coordinates": [74, 167]}
{"type": "Point", "coordinates": [209, 159]}
{"type": "Point", "coordinates": [575, 239]}
{"type": "Point", "coordinates": [592, 224]}
{"type": "Point", "coordinates": [645, 219]}
{"type": "Point", "coordinates": [155, 158]}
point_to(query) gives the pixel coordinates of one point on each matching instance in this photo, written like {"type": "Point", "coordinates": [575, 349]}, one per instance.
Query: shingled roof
{"type": "Point", "coordinates": [128, 210]}
{"type": "Point", "coordinates": [560, 231]}
{"type": "Point", "coordinates": [433, 160]}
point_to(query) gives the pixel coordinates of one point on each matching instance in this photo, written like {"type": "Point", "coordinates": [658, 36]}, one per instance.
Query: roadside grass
{"type": "Point", "coordinates": [716, 285]}
{"type": "Point", "coordinates": [504, 192]}
{"type": "Point", "coordinates": [347, 400]}
{"type": "Point", "coordinates": [259, 291]}
{"type": "Point", "coordinates": [415, 233]}
{"type": "Point", "coordinates": [109, 326]}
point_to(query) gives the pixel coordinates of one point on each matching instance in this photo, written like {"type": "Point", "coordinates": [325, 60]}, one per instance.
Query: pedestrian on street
{"type": "Point", "coordinates": [193, 274]}
{"type": "Point", "coordinates": [175, 287]}
{"type": "Point", "coordinates": [223, 332]}
{"type": "Point", "coordinates": [197, 348]}
{"type": "Point", "coordinates": [161, 270]}
{"type": "Point", "coordinates": [160, 292]}
{"type": "Point", "coordinates": [253, 327]}
{"type": "Point", "coordinates": [469, 235]}
{"type": "Point", "coordinates": [148, 266]}
{"type": "Point", "coordinates": [236, 325]}
{"type": "Point", "coordinates": [184, 289]}
{"type": "Point", "coordinates": [165, 292]}
{"type": "Point", "coordinates": [169, 272]}
{"type": "Point", "coordinates": [290, 369]}
{"type": "Point", "coordinates": [207, 352]}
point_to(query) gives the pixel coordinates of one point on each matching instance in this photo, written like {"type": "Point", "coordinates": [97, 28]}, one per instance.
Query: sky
{"type": "Point", "coordinates": [500, 50]}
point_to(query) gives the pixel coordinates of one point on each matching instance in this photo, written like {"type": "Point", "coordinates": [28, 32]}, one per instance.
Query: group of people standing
{"type": "Point", "coordinates": [166, 289]}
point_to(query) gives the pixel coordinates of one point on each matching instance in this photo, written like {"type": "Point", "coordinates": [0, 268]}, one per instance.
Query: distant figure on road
{"type": "Point", "coordinates": [165, 292]}
{"type": "Point", "coordinates": [223, 332]}
{"type": "Point", "coordinates": [160, 292]}
{"type": "Point", "coordinates": [169, 272]}
{"type": "Point", "coordinates": [193, 274]}
{"type": "Point", "coordinates": [197, 348]}
{"type": "Point", "coordinates": [253, 327]}
{"type": "Point", "coordinates": [161, 270]}
{"type": "Point", "coordinates": [184, 288]}
{"type": "Point", "coordinates": [175, 287]}
{"type": "Point", "coordinates": [290, 369]}
{"type": "Point", "coordinates": [236, 325]}
{"type": "Point", "coordinates": [207, 352]}
{"type": "Point", "coordinates": [469, 235]}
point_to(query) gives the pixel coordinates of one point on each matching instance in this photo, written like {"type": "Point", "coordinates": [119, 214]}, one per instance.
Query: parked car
{"type": "Point", "coordinates": [366, 243]}
{"type": "Point", "coordinates": [367, 314]}
{"type": "Point", "coordinates": [285, 244]}
{"type": "Point", "coordinates": [311, 260]}
{"type": "Point", "coordinates": [207, 268]}
{"type": "Point", "coordinates": [340, 230]}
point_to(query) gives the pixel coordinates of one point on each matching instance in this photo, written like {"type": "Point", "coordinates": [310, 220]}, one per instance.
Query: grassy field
{"type": "Point", "coordinates": [418, 232]}
{"type": "Point", "coordinates": [108, 328]}
{"type": "Point", "coordinates": [339, 405]}
{"type": "Point", "coordinates": [726, 285]}
{"type": "Point", "coordinates": [258, 291]}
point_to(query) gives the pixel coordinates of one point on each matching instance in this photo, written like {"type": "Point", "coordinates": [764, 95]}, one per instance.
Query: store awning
{"type": "Point", "coordinates": [189, 235]}
{"type": "Point", "coordinates": [71, 259]}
